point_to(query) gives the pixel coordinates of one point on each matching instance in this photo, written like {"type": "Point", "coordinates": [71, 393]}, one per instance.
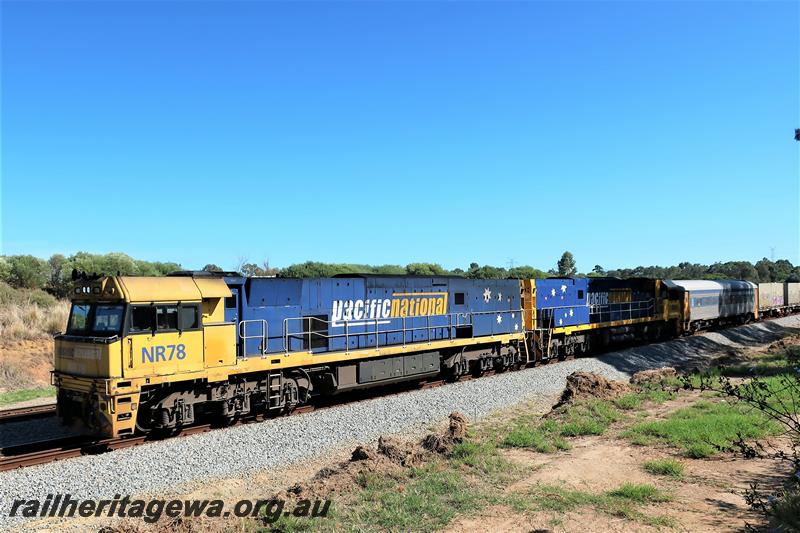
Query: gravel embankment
{"type": "Point", "coordinates": [168, 465]}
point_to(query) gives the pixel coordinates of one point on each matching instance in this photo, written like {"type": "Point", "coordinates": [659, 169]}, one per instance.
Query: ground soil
{"type": "Point", "coordinates": [709, 498]}
{"type": "Point", "coordinates": [25, 363]}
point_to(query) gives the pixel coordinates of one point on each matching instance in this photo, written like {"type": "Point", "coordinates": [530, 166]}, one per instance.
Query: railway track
{"type": "Point", "coordinates": [27, 413]}
{"type": "Point", "coordinates": [30, 454]}
{"type": "Point", "coordinates": [48, 451]}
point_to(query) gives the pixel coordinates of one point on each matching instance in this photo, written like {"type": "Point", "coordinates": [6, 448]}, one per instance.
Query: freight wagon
{"type": "Point", "coordinates": [791, 296]}
{"type": "Point", "coordinates": [771, 297]}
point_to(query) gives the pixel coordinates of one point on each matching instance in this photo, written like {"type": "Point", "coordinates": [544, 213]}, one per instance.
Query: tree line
{"type": "Point", "coordinates": [54, 275]}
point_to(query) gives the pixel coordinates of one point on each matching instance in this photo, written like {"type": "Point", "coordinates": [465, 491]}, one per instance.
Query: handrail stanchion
{"type": "Point", "coordinates": [428, 327]}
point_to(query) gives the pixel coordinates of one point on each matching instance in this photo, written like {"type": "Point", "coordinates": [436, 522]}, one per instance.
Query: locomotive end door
{"type": "Point", "coordinates": [232, 315]}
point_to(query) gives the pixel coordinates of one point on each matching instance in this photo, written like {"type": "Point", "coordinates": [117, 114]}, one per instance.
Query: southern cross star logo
{"type": "Point", "coordinates": [499, 319]}
{"type": "Point", "coordinates": [499, 296]}
{"type": "Point", "coordinates": [563, 288]}
{"type": "Point", "coordinates": [487, 295]}
{"type": "Point", "coordinates": [552, 292]}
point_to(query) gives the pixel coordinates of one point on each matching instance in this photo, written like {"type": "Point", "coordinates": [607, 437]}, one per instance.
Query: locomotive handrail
{"type": "Point", "coordinates": [596, 305]}
{"type": "Point", "coordinates": [622, 308]}
{"type": "Point", "coordinates": [264, 336]}
{"type": "Point", "coordinates": [365, 323]}
{"type": "Point", "coordinates": [601, 309]}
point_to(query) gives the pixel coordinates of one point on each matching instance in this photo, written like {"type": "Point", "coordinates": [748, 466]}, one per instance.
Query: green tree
{"type": "Point", "coordinates": [309, 269]}
{"type": "Point", "coordinates": [525, 272]}
{"type": "Point", "coordinates": [60, 283]}
{"type": "Point", "coordinates": [315, 269]}
{"type": "Point", "coordinates": [28, 272]}
{"type": "Point", "coordinates": [108, 264]}
{"type": "Point", "coordinates": [211, 267]}
{"type": "Point", "coordinates": [566, 265]}
{"type": "Point", "coordinates": [783, 269]}
{"type": "Point", "coordinates": [764, 267]}
{"type": "Point", "coordinates": [389, 270]}
{"type": "Point", "coordinates": [118, 263]}
{"type": "Point", "coordinates": [252, 269]}
{"type": "Point", "coordinates": [162, 269]}
{"type": "Point", "coordinates": [486, 272]}
{"type": "Point", "coordinates": [426, 269]}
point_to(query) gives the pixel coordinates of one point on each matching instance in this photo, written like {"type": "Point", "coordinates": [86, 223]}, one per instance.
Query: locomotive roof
{"type": "Point", "coordinates": [165, 289]}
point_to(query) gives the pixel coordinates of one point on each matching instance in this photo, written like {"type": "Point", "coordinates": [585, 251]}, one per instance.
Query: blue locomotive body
{"type": "Point", "coordinates": [322, 315]}
{"type": "Point", "coordinates": [561, 302]}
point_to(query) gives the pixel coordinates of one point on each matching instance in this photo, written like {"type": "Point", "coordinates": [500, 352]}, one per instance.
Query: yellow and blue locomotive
{"type": "Point", "coordinates": [145, 353]}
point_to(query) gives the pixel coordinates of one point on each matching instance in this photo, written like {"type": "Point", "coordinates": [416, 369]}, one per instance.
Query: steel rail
{"type": "Point", "coordinates": [27, 413]}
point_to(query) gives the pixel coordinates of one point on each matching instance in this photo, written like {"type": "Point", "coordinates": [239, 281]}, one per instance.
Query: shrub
{"type": "Point", "coordinates": [41, 298]}
{"type": "Point", "coordinates": [27, 271]}
{"type": "Point", "coordinates": [773, 392]}
{"type": "Point", "coordinates": [9, 295]}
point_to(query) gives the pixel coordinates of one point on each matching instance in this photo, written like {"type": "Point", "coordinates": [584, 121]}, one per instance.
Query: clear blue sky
{"type": "Point", "coordinates": [392, 132]}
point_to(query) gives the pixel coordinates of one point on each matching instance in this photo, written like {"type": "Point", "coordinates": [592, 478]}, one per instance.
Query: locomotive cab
{"type": "Point", "coordinates": [126, 336]}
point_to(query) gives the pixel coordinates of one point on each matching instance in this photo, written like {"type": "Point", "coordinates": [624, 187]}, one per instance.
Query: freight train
{"type": "Point", "coordinates": [151, 354]}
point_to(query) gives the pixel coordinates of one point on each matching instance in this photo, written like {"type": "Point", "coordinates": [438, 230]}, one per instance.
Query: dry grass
{"type": "Point", "coordinates": [30, 321]}
{"type": "Point", "coordinates": [14, 375]}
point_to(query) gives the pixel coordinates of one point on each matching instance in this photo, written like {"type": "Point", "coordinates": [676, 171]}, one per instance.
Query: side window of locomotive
{"type": "Point", "coordinates": [459, 298]}
{"type": "Point", "coordinates": [166, 317]}
{"type": "Point", "coordinates": [230, 302]}
{"type": "Point", "coordinates": [188, 317]}
{"type": "Point", "coordinates": [142, 319]}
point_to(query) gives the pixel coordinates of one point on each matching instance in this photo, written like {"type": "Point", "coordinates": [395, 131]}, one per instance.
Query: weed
{"type": "Point", "coordinates": [629, 401]}
{"type": "Point", "coordinates": [8, 398]}
{"type": "Point", "coordinates": [622, 502]}
{"type": "Point", "coordinates": [641, 493]}
{"type": "Point", "coordinates": [704, 428]}
{"type": "Point", "coordinates": [429, 499]}
{"type": "Point", "coordinates": [665, 467]}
